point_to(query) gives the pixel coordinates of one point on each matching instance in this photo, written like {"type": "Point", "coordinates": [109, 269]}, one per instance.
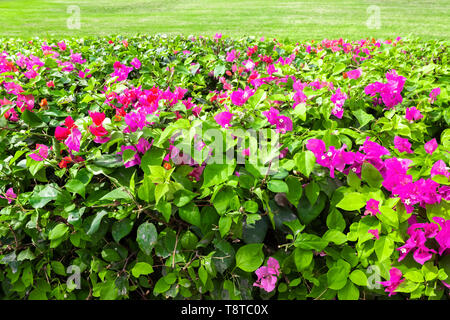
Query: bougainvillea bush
{"type": "Point", "coordinates": [217, 168]}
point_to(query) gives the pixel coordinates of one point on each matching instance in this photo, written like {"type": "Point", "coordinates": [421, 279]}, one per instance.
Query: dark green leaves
{"type": "Point", "coordinates": [146, 237]}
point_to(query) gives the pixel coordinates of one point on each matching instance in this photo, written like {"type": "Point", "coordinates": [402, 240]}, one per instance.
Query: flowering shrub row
{"type": "Point", "coordinates": [188, 167]}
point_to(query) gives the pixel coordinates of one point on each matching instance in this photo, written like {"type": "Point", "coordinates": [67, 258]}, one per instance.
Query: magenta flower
{"type": "Point", "coordinates": [136, 63]}
{"type": "Point", "coordinates": [394, 281]}
{"type": "Point", "coordinates": [439, 168]}
{"type": "Point", "coordinates": [62, 45]}
{"type": "Point", "coordinates": [267, 276]}
{"type": "Point", "coordinates": [73, 141]}
{"type": "Point", "coordinates": [416, 243]}
{"type": "Point", "coordinates": [271, 115]}
{"type": "Point", "coordinates": [390, 92]}
{"type": "Point", "coordinates": [402, 144]}
{"type": "Point", "coordinates": [433, 94]}
{"type": "Point", "coordinates": [133, 162]}
{"type": "Point", "coordinates": [143, 145]}
{"type": "Point", "coordinates": [338, 98]}
{"type": "Point", "coordinates": [224, 118]}
{"type": "Point", "coordinates": [413, 114]}
{"type": "Point", "coordinates": [240, 96]}
{"type": "Point", "coordinates": [42, 153]}
{"type": "Point", "coordinates": [443, 236]}
{"type": "Point", "coordinates": [430, 146]}
{"type": "Point", "coordinates": [354, 74]}
{"type": "Point", "coordinates": [333, 159]}
{"type": "Point", "coordinates": [9, 195]}
{"type": "Point", "coordinates": [283, 124]}
{"type": "Point", "coordinates": [372, 207]}
{"type": "Point", "coordinates": [231, 56]}
{"type": "Point", "coordinates": [375, 233]}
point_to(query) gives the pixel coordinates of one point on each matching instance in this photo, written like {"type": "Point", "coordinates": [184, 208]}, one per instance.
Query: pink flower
{"type": "Point", "coordinates": [271, 115]}
{"type": "Point", "coordinates": [267, 276]}
{"type": "Point", "coordinates": [443, 236]}
{"type": "Point", "coordinates": [42, 153]}
{"type": "Point", "coordinates": [413, 114]}
{"type": "Point", "coordinates": [9, 195]}
{"type": "Point", "coordinates": [433, 94]}
{"type": "Point", "coordinates": [224, 118]}
{"type": "Point", "coordinates": [136, 63]}
{"type": "Point", "coordinates": [283, 124]}
{"type": "Point", "coordinates": [136, 159]}
{"type": "Point", "coordinates": [393, 282]}
{"type": "Point", "coordinates": [372, 207]}
{"type": "Point", "coordinates": [73, 141]}
{"type": "Point", "coordinates": [240, 96]}
{"type": "Point", "coordinates": [402, 144]}
{"type": "Point", "coordinates": [416, 243]}
{"type": "Point", "coordinates": [231, 56]}
{"type": "Point", "coordinates": [51, 84]}
{"type": "Point", "coordinates": [354, 74]}
{"type": "Point", "coordinates": [338, 98]}
{"type": "Point", "coordinates": [375, 233]}
{"type": "Point", "coordinates": [439, 168]}
{"type": "Point", "coordinates": [62, 45]}
{"type": "Point", "coordinates": [430, 146]}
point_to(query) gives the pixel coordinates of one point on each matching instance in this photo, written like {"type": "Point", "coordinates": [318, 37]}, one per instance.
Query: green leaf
{"type": "Point", "coordinates": [215, 174]}
{"type": "Point", "coordinates": [190, 214]}
{"type": "Point", "coordinates": [219, 70]}
{"type": "Point", "coordinates": [414, 275]}
{"type": "Point", "coordinates": [58, 231]}
{"type": "Point", "coordinates": [31, 119]}
{"type": "Point", "coordinates": [153, 157]}
{"type": "Point", "coordinates": [116, 194]}
{"type": "Point", "coordinates": [308, 212]}
{"type": "Point", "coordinates": [141, 268]}
{"type": "Point", "coordinates": [337, 275]}
{"type": "Point", "coordinates": [146, 237]}
{"type": "Point", "coordinates": [224, 225]}
{"type": "Point", "coordinates": [352, 201]}
{"type": "Point", "coordinates": [251, 206]}
{"type": "Point", "coordinates": [160, 286]}
{"type": "Point", "coordinates": [335, 236]}
{"type": "Point", "coordinates": [353, 180]}
{"type": "Point", "coordinates": [338, 68]}
{"type": "Point", "coordinates": [302, 258]}
{"type": "Point", "coordinates": [305, 162]}
{"type": "Point", "coordinates": [250, 257]}
{"type": "Point", "coordinates": [310, 241]}
{"type": "Point", "coordinates": [40, 199]}
{"type": "Point", "coordinates": [58, 268]}
{"type": "Point", "coordinates": [312, 191]}
{"type": "Point", "coordinates": [76, 186]}
{"type": "Point", "coordinates": [295, 190]}
{"type": "Point", "coordinates": [277, 186]}
{"type": "Point", "coordinates": [363, 117]}
{"type": "Point", "coordinates": [183, 197]}
{"type": "Point", "coordinates": [371, 175]}
{"type": "Point", "coordinates": [349, 292]}
{"type": "Point", "coordinates": [359, 278]}
{"type": "Point", "coordinates": [121, 228]}
{"type": "Point", "coordinates": [384, 247]}
{"type": "Point", "coordinates": [96, 222]}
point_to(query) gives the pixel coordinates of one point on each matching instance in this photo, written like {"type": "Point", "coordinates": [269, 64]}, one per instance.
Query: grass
{"type": "Point", "coordinates": [312, 19]}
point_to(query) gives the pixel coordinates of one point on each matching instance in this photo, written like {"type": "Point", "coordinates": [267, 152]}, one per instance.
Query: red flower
{"type": "Point", "coordinates": [62, 133]}
{"type": "Point", "coordinates": [98, 131]}
{"type": "Point", "coordinates": [65, 161]}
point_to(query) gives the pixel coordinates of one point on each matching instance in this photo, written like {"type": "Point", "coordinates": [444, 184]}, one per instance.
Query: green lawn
{"type": "Point", "coordinates": [316, 19]}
